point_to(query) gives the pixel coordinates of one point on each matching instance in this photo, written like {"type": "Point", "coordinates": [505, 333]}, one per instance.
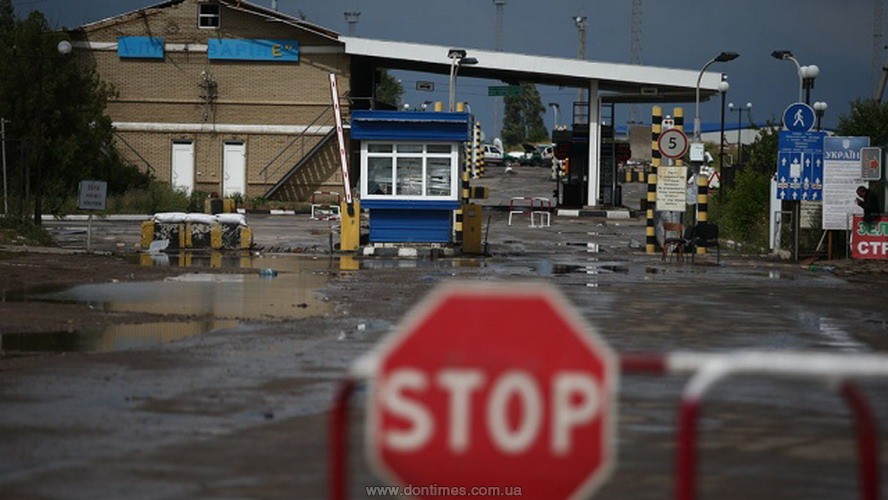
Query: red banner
{"type": "Point", "coordinates": [869, 241]}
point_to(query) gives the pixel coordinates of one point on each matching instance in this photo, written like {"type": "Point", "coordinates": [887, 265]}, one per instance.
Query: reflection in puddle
{"type": "Point", "coordinates": [110, 338]}
{"type": "Point", "coordinates": [220, 300]}
{"type": "Point", "coordinates": [290, 294]}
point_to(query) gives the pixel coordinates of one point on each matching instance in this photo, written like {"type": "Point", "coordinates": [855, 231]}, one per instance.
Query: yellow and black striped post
{"type": "Point", "coordinates": [702, 204]}
{"type": "Point", "coordinates": [479, 152]}
{"type": "Point", "coordinates": [679, 117]}
{"type": "Point", "coordinates": [651, 202]}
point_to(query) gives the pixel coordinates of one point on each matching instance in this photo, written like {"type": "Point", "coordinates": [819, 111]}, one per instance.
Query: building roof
{"type": "Point", "coordinates": [242, 5]}
{"type": "Point", "coordinates": [617, 82]}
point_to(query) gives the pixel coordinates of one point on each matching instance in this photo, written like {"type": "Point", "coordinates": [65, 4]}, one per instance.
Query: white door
{"type": "Point", "coordinates": [182, 177]}
{"type": "Point", "coordinates": [234, 169]}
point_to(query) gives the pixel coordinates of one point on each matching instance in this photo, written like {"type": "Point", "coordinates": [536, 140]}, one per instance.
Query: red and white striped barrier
{"type": "Point", "coordinates": [706, 370]}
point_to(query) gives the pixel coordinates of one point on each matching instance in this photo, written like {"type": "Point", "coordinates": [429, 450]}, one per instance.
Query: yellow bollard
{"type": "Point", "coordinates": [471, 225]}
{"type": "Point", "coordinates": [147, 234]}
{"type": "Point", "coordinates": [350, 227]}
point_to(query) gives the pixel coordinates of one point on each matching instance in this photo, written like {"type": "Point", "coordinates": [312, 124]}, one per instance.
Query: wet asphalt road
{"type": "Point", "coordinates": [239, 412]}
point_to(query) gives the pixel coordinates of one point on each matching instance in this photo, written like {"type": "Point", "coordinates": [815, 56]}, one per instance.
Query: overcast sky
{"type": "Point", "coordinates": [836, 35]}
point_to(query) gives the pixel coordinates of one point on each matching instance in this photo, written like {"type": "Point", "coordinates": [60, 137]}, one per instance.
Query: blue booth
{"type": "Point", "coordinates": [410, 172]}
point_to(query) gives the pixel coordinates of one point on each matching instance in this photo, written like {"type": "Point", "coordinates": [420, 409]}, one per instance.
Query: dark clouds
{"type": "Point", "coordinates": [836, 35]}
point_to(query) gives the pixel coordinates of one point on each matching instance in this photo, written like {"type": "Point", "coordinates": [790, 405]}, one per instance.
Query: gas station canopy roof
{"type": "Point", "coordinates": [618, 83]}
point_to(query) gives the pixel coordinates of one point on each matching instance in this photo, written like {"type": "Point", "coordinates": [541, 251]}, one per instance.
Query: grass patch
{"type": "Point", "coordinates": [23, 232]}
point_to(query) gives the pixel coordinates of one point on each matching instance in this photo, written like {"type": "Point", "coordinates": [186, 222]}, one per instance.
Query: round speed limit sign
{"type": "Point", "coordinates": [673, 143]}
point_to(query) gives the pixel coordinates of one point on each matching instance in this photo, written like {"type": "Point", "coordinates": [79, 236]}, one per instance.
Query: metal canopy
{"type": "Point", "coordinates": [618, 83]}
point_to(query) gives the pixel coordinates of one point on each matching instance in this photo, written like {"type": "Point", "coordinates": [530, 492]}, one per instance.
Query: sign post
{"type": "Point", "coordinates": [493, 390]}
{"type": "Point", "coordinates": [798, 163]}
{"type": "Point", "coordinates": [91, 195]}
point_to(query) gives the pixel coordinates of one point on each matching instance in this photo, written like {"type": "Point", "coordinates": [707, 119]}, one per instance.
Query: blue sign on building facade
{"type": "Point", "coordinates": [800, 165]}
{"type": "Point", "coordinates": [140, 47]}
{"type": "Point", "coordinates": [253, 50]}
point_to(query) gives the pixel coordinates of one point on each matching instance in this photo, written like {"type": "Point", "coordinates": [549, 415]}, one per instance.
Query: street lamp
{"type": "Point", "coordinates": [457, 58]}
{"type": "Point", "coordinates": [819, 109]}
{"type": "Point", "coordinates": [739, 111]}
{"type": "Point", "coordinates": [723, 57]}
{"type": "Point", "coordinates": [555, 107]}
{"type": "Point", "coordinates": [63, 48]}
{"type": "Point", "coordinates": [808, 74]}
{"type": "Point", "coordinates": [723, 88]}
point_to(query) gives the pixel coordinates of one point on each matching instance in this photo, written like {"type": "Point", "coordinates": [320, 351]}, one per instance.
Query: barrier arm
{"type": "Point", "coordinates": [710, 369]}
{"type": "Point", "coordinates": [363, 369]}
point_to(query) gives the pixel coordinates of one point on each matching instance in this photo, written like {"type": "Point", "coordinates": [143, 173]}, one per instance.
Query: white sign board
{"type": "Point", "coordinates": [841, 177]}
{"type": "Point", "coordinates": [91, 195]}
{"type": "Point", "coordinates": [698, 152]}
{"type": "Point", "coordinates": [671, 188]}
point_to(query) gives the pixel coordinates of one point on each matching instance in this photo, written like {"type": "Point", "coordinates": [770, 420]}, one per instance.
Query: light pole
{"type": "Point", "coordinates": [457, 58]}
{"type": "Point", "coordinates": [739, 110]}
{"type": "Point", "coordinates": [807, 74]}
{"type": "Point", "coordinates": [723, 88]}
{"type": "Point", "coordinates": [555, 107]}
{"type": "Point", "coordinates": [819, 110]}
{"type": "Point", "coordinates": [723, 57]}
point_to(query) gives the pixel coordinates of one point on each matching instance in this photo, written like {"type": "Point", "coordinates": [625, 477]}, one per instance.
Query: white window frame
{"type": "Point", "coordinates": [201, 15]}
{"type": "Point", "coordinates": [453, 155]}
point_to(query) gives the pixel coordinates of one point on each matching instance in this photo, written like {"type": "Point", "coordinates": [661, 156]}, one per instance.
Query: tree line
{"type": "Point", "coordinates": [57, 131]}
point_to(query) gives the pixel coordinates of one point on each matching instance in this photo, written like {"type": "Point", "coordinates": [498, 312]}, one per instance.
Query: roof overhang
{"type": "Point", "coordinates": [617, 82]}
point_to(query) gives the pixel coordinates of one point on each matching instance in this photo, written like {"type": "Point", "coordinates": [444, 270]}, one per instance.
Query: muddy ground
{"type": "Point", "coordinates": [239, 411]}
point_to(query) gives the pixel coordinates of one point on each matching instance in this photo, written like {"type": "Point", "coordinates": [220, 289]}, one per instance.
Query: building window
{"type": "Point", "coordinates": [208, 15]}
{"type": "Point", "coordinates": [409, 170]}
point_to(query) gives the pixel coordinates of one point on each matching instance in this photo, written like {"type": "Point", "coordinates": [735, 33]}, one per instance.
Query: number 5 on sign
{"type": "Point", "coordinates": [673, 143]}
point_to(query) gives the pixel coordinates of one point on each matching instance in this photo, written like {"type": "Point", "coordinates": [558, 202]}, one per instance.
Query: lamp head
{"type": "Point", "coordinates": [64, 47]}
{"type": "Point", "coordinates": [781, 54]}
{"type": "Point", "coordinates": [726, 56]}
{"type": "Point", "coordinates": [723, 86]}
{"type": "Point", "coordinates": [456, 53]}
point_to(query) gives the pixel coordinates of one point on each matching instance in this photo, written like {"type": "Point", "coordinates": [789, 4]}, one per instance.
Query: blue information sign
{"type": "Point", "coordinates": [253, 49]}
{"type": "Point", "coordinates": [800, 166]}
{"type": "Point", "coordinates": [798, 117]}
{"type": "Point", "coordinates": [139, 47]}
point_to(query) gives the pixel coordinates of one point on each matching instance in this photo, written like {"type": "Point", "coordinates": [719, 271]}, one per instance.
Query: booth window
{"type": "Point", "coordinates": [208, 15]}
{"type": "Point", "coordinates": [409, 170]}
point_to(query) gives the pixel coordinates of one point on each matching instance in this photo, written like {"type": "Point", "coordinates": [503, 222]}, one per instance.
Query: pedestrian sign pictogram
{"type": "Point", "coordinates": [798, 117]}
{"type": "Point", "coordinates": [502, 385]}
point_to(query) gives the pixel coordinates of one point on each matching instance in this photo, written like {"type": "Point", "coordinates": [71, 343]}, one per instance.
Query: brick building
{"type": "Point", "coordinates": [222, 96]}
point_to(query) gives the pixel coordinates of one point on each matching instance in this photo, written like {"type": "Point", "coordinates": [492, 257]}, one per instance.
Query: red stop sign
{"type": "Point", "coordinates": [493, 390]}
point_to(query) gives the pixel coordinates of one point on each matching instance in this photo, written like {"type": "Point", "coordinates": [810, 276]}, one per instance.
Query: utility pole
{"type": "Point", "coordinates": [876, 63]}
{"type": "Point", "coordinates": [635, 49]}
{"type": "Point", "coordinates": [3, 122]}
{"type": "Point", "coordinates": [500, 14]}
{"type": "Point", "coordinates": [581, 49]}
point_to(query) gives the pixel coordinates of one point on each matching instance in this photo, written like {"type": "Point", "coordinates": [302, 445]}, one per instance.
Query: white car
{"type": "Point", "coordinates": [492, 155]}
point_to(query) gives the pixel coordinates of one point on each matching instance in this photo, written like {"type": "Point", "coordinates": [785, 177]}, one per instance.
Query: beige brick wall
{"type": "Point", "coordinates": [169, 91]}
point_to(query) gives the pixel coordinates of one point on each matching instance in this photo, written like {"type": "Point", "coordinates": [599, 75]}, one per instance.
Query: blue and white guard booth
{"type": "Point", "coordinates": [410, 172]}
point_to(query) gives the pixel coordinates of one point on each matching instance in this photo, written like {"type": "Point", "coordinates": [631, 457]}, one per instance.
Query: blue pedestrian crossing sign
{"type": "Point", "coordinates": [798, 117]}
{"type": "Point", "coordinates": [800, 166]}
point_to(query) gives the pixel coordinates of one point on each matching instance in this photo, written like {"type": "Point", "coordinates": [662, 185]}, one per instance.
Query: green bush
{"type": "Point", "coordinates": [22, 231]}
{"type": "Point", "coordinates": [742, 212]}
{"type": "Point", "coordinates": [156, 197]}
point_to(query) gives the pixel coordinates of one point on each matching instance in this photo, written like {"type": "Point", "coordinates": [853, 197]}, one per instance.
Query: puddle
{"type": "Point", "coordinates": [110, 338]}
{"type": "Point", "coordinates": [292, 293]}
{"type": "Point", "coordinates": [224, 299]}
